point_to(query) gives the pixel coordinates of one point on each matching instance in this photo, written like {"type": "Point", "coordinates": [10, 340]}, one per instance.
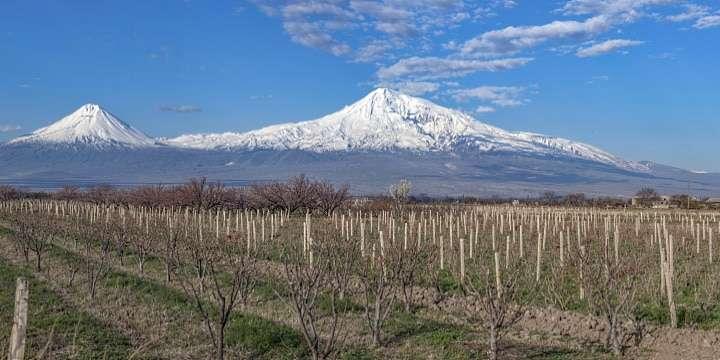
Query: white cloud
{"type": "Point", "coordinates": [482, 109]}
{"type": "Point", "coordinates": [606, 47]}
{"type": "Point", "coordinates": [707, 22]}
{"type": "Point", "coordinates": [424, 68]}
{"type": "Point", "coordinates": [663, 56]}
{"type": "Point", "coordinates": [603, 15]}
{"type": "Point", "coordinates": [618, 10]}
{"type": "Point", "coordinates": [373, 51]}
{"type": "Point", "coordinates": [261, 97]}
{"type": "Point", "coordinates": [342, 26]}
{"type": "Point", "coordinates": [515, 38]}
{"type": "Point", "coordinates": [505, 96]}
{"type": "Point", "coordinates": [598, 78]}
{"type": "Point", "coordinates": [9, 128]}
{"type": "Point", "coordinates": [415, 88]}
{"type": "Point", "coordinates": [181, 109]}
{"type": "Point", "coordinates": [692, 12]}
{"type": "Point", "coordinates": [313, 35]}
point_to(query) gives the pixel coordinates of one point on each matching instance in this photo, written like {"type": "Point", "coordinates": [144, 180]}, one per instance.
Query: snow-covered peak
{"type": "Point", "coordinates": [89, 125]}
{"type": "Point", "coordinates": [388, 120]}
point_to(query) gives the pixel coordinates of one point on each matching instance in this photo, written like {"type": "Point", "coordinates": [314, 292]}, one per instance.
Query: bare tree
{"type": "Point", "coordinates": [400, 192]}
{"type": "Point", "coordinates": [316, 278]}
{"type": "Point", "coordinates": [494, 298]}
{"type": "Point", "coordinates": [379, 283]}
{"type": "Point", "coordinates": [41, 239]}
{"type": "Point", "coordinates": [22, 235]}
{"type": "Point", "coordinates": [143, 245]}
{"type": "Point", "coordinates": [201, 194]}
{"type": "Point", "coordinates": [328, 199]}
{"type": "Point", "coordinates": [8, 193]}
{"type": "Point", "coordinates": [215, 295]}
{"type": "Point", "coordinates": [96, 262]}
{"type": "Point", "coordinates": [415, 263]}
{"type": "Point", "coordinates": [612, 288]}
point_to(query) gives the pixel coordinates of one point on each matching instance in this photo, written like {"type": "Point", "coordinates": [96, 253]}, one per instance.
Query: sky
{"type": "Point", "coordinates": [638, 78]}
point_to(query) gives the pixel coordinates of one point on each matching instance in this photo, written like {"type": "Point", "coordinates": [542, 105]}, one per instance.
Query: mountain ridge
{"type": "Point", "coordinates": [382, 138]}
{"type": "Point", "coordinates": [386, 120]}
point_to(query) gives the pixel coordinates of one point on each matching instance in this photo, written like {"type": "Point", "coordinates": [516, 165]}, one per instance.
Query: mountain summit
{"type": "Point", "coordinates": [382, 138]}
{"type": "Point", "coordinates": [90, 125]}
{"type": "Point", "coordinates": [386, 120]}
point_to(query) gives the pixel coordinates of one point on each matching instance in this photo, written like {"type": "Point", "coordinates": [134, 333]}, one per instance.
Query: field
{"type": "Point", "coordinates": [412, 282]}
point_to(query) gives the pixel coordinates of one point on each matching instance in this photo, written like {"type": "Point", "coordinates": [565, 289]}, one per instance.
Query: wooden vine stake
{"type": "Point", "coordinates": [19, 327]}
{"type": "Point", "coordinates": [669, 275]}
{"type": "Point", "coordinates": [498, 286]}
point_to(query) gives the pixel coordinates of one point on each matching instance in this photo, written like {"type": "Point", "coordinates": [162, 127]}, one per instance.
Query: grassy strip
{"type": "Point", "coordinates": [261, 337]}
{"type": "Point", "coordinates": [56, 329]}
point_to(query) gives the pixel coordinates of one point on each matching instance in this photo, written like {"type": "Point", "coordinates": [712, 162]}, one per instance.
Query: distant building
{"type": "Point", "coordinates": [713, 203]}
{"type": "Point", "coordinates": [661, 202]}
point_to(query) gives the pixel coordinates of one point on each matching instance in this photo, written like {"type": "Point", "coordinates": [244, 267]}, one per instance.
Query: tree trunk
{"type": "Point", "coordinates": [221, 343]}
{"type": "Point", "coordinates": [614, 341]}
{"type": "Point", "coordinates": [493, 351]}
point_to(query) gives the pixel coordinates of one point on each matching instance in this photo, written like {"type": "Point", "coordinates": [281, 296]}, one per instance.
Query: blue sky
{"type": "Point", "coordinates": [638, 78]}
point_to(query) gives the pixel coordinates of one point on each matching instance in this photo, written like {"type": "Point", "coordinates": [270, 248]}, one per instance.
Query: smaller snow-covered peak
{"type": "Point", "coordinates": [89, 125]}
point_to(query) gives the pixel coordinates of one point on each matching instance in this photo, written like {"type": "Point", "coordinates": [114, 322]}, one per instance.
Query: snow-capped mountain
{"type": "Point", "coordinates": [375, 142]}
{"type": "Point", "coordinates": [90, 125]}
{"type": "Point", "coordinates": [386, 120]}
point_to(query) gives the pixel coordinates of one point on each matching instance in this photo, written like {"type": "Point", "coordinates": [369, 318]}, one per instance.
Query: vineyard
{"type": "Point", "coordinates": [412, 281]}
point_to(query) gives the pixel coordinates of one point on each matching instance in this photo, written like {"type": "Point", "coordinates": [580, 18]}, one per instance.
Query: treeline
{"type": "Point", "coordinates": [545, 199]}
{"type": "Point", "coordinates": [301, 194]}
{"type": "Point", "coordinates": [298, 194]}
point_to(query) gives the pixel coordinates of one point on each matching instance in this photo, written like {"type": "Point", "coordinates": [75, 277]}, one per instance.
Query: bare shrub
{"type": "Point", "coordinates": [612, 286]}
{"type": "Point", "coordinates": [329, 199]}
{"type": "Point", "coordinates": [400, 192]}
{"type": "Point", "coordinates": [494, 297]}
{"type": "Point", "coordinates": [96, 262]}
{"type": "Point", "coordinates": [227, 279]}
{"type": "Point", "coordinates": [380, 287]}
{"type": "Point", "coordinates": [298, 194]}
{"type": "Point", "coordinates": [317, 277]}
{"type": "Point", "coordinates": [414, 266]}
{"type": "Point", "coordinates": [8, 193]}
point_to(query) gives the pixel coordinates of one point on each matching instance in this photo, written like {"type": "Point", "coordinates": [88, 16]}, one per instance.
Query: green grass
{"type": "Point", "coordinates": [447, 283]}
{"type": "Point", "coordinates": [445, 339]}
{"type": "Point", "coordinates": [74, 333]}
{"type": "Point", "coordinates": [261, 337]}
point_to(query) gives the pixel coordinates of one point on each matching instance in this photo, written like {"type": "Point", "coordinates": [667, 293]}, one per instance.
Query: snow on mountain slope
{"type": "Point", "coordinates": [89, 125]}
{"type": "Point", "coordinates": [387, 120]}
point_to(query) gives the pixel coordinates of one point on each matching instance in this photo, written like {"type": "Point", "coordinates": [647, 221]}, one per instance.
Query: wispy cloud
{"type": "Point", "coordinates": [513, 39]}
{"type": "Point", "coordinates": [606, 47]}
{"type": "Point", "coordinates": [620, 10]}
{"type": "Point", "coordinates": [425, 68]}
{"type": "Point", "coordinates": [261, 97]}
{"type": "Point", "coordinates": [692, 12]}
{"type": "Point", "coordinates": [504, 96]}
{"type": "Point", "coordinates": [707, 21]}
{"type": "Point", "coordinates": [702, 15]}
{"type": "Point", "coordinates": [9, 128]}
{"type": "Point", "coordinates": [482, 109]}
{"type": "Point", "coordinates": [597, 79]}
{"type": "Point", "coordinates": [663, 56]}
{"type": "Point", "coordinates": [415, 88]}
{"type": "Point", "coordinates": [184, 109]}
{"type": "Point", "coordinates": [361, 29]}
